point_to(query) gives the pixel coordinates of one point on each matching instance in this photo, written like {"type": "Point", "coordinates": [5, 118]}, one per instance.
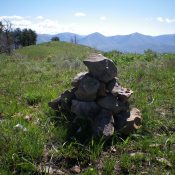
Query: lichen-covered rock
{"type": "Point", "coordinates": [104, 124]}
{"type": "Point", "coordinates": [114, 88]}
{"type": "Point", "coordinates": [127, 122]}
{"type": "Point", "coordinates": [101, 67]}
{"type": "Point", "coordinates": [87, 89]}
{"type": "Point", "coordinates": [84, 109]}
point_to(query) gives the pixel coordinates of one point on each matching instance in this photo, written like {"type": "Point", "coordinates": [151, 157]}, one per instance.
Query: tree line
{"type": "Point", "coordinates": [11, 38]}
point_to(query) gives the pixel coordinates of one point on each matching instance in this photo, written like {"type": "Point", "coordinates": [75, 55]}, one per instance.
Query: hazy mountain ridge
{"type": "Point", "coordinates": [135, 42]}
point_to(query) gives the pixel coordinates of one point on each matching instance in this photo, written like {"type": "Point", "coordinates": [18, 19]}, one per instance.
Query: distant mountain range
{"type": "Point", "coordinates": [135, 43]}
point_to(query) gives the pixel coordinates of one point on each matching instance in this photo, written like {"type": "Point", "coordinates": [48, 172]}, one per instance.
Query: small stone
{"type": "Point", "coordinates": [113, 149]}
{"type": "Point", "coordinates": [84, 109]}
{"type": "Point", "coordinates": [104, 124]}
{"type": "Point", "coordinates": [87, 89]}
{"type": "Point", "coordinates": [101, 67]}
{"type": "Point", "coordinates": [76, 169]}
{"type": "Point", "coordinates": [49, 170]}
{"type": "Point", "coordinates": [154, 145]}
{"type": "Point", "coordinates": [137, 154]}
{"type": "Point", "coordinates": [59, 172]}
{"type": "Point", "coordinates": [28, 118]}
{"type": "Point", "coordinates": [164, 161]}
{"type": "Point", "coordinates": [76, 81]}
{"type": "Point", "coordinates": [109, 102]}
{"type": "Point", "coordinates": [20, 127]}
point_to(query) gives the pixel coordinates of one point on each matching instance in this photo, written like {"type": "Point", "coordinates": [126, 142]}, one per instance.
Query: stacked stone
{"type": "Point", "coordinates": [98, 96]}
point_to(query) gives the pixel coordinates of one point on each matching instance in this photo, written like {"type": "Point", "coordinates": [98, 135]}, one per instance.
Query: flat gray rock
{"type": "Point", "coordinates": [87, 89]}
{"type": "Point", "coordinates": [114, 88]}
{"type": "Point", "coordinates": [101, 67]}
{"type": "Point", "coordinates": [104, 124]}
{"type": "Point", "coordinates": [84, 109]}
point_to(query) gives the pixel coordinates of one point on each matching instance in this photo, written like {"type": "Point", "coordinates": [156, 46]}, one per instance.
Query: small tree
{"type": "Point", "coordinates": [55, 38]}
{"type": "Point", "coordinates": [74, 40]}
{"type": "Point", "coordinates": [28, 37]}
{"type": "Point", "coordinates": [17, 38]}
{"type": "Point", "coordinates": [6, 37]}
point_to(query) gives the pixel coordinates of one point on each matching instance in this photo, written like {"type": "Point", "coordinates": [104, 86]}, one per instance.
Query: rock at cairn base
{"type": "Point", "coordinates": [101, 67]}
{"type": "Point", "coordinates": [84, 109]}
{"type": "Point", "coordinates": [104, 124]}
{"type": "Point", "coordinates": [127, 122]}
{"type": "Point", "coordinates": [97, 95]}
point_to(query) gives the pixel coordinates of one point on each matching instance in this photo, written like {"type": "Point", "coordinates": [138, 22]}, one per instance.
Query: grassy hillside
{"type": "Point", "coordinates": [34, 75]}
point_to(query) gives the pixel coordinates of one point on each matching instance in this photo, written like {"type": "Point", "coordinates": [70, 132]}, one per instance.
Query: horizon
{"type": "Point", "coordinates": [104, 35]}
{"type": "Point", "coordinates": [82, 17]}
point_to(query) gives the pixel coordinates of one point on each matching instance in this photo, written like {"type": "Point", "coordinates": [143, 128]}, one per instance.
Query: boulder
{"type": "Point", "coordinates": [110, 102]}
{"type": "Point", "coordinates": [78, 78]}
{"type": "Point", "coordinates": [127, 122]}
{"type": "Point", "coordinates": [66, 99]}
{"type": "Point", "coordinates": [55, 103]}
{"type": "Point", "coordinates": [101, 67]}
{"type": "Point", "coordinates": [104, 124]}
{"type": "Point", "coordinates": [102, 90]}
{"type": "Point", "coordinates": [113, 83]}
{"type": "Point", "coordinates": [84, 109]}
{"type": "Point", "coordinates": [63, 101]}
{"type": "Point", "coordinates": [87, 89]}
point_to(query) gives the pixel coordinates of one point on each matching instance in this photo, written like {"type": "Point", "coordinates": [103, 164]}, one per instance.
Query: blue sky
{"type": "Point", "coordinates": [109, 17]}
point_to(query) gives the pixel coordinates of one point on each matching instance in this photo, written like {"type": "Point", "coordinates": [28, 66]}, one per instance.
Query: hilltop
{"type": "Point", "coordinates": [32, 138]}
{"type": "Point", "coordinates": [132, 43]}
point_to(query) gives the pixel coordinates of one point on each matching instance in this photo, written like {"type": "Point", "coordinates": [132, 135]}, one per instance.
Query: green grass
{"type": "Point", "coordinates": [35, 75]}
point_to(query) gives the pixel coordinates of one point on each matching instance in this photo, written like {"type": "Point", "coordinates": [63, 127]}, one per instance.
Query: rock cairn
{"type": "Point", "coordinates": [98, 96]}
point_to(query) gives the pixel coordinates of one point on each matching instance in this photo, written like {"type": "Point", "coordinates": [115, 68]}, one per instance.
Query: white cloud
{"type": "Point", "coordinates": [166, 20]}
{"type": "Point", "coordinates": [103, 18]}
{"type": "Point", "coordinates": [11, 17]}
{"type": "Point", "coordinates": [160, 19]}
{"type": "Point", "coordinates": [39, 17]}
{"type": "Point", "coordinates": [80, 14]}
{"type": "Point", "coordinates": [44, 26]}
{"type": "Point", "coordinates": [170, 20]}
